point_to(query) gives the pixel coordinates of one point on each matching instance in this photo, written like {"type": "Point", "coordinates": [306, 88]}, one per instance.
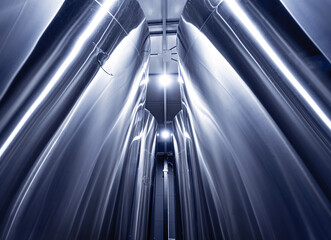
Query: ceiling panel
{"type": "Point", "coordinates": [156, 44]}
{"type": "Point", "coordinates": [152, 9]}
{"type": "Point", "coordinates": [154, 90]}
{"type": "Point", "coordinates": [175, 8]}
{"type": "Point", "coordinates": [172, 110]}
{"type": "Point", "coordinates": [155, 66]}
{"type": "Point", "coordinates": [154, 101]}
{"type": "Point", "coordinates": [156, 110]}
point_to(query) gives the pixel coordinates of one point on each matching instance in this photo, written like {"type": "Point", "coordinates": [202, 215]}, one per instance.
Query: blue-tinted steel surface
{"type": "Point", "coordinates": [76, 143]}
{"type": "Point", "coordinates": [252, 144]}
{"type": "Point", "coordinates": [314, 18]}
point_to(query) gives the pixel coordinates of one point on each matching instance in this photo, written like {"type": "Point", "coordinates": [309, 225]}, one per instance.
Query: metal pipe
{"type": "Point", "coordinates": [165, 170]}
{"type": "Point", "coordinates": [165, 199]}
{"type": "Point", "coordinates": [164, 50]}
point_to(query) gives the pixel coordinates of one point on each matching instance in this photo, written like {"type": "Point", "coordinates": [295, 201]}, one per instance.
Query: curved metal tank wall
{"type": "Point", "coordinates": [76, 143]}
{"type": "Point", "coordinates": [252, 143]}
{"type": "Point", "coordinates": [20, 33]}
{"type": "Point", "coordinates": [309, 14]}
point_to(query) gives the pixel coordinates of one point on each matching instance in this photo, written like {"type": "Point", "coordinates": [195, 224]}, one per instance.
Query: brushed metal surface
{"type": "Point", "coordinates": [314, 18]}
{"type": "Point", "coordinates": [76, 143]}
{"type": "Point", "coordinates": [252, 144]}
{"type": "Point", "coordinates": [22, 23]}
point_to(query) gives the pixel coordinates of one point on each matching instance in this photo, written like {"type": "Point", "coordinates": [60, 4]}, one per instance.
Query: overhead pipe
{"type": "Point", "coordinates": [165, 169]}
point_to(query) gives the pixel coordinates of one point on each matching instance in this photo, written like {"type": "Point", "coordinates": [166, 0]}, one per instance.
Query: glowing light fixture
{"type": "Point", "coordinates": [165, 134]}
{"type": "Point", "coordinates": [165, 80]}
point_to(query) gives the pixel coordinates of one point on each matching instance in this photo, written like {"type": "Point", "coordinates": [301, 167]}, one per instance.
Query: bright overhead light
{"type": "Point", "coordinates": [165, 134]}
{"type": "Point", "coordinates": [165, 80]}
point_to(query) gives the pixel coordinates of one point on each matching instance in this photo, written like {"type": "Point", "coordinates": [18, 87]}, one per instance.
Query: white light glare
{"type": "Point", "coordinates": [180, 80]}
{"type": "Point", "coordinates": [245, 20]}
{"type": "Point", "coordinates": [165, 134]}
{"type": "Point", "coordinates": [187, 135]}
{"type": "Point", "coordinates": [165, 80]}
{"type": "Point", "coordinates": [83, 39]}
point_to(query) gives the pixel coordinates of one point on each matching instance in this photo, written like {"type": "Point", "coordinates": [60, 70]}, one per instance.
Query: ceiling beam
{"type": "Point", "coordinates": [161, 102]}
{"type": "Point", "coordinates": [160, 33]}
{"type": "Point", "coordinates": [159, 22]}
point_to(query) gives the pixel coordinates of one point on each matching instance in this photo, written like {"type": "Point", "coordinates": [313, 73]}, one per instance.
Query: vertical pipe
{"type": "Point", "coordinates": [165, 199]}
{"type": "Point", "coordinates": [165, 169]}
{"type": "Point", "coordinates": [165, 114]}
{"type": "Point", "coordinates": [164, 51]}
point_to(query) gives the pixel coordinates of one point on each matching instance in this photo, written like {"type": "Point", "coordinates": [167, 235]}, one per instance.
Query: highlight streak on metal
{"type": "Point", "coordinates": [256, 34]}
{"type": "Point", "coordinates": [252, 144]}
{"type": "Point", "coordinates": [77, 145]}
{"type": "Point", "coordinates": [59, 73]}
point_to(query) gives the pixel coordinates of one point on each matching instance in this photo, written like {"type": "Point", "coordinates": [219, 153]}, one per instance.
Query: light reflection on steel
{"type": "Point", "coordinates": [77, 145]}
{"type": "Point", "coordinates": [252, 143]}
